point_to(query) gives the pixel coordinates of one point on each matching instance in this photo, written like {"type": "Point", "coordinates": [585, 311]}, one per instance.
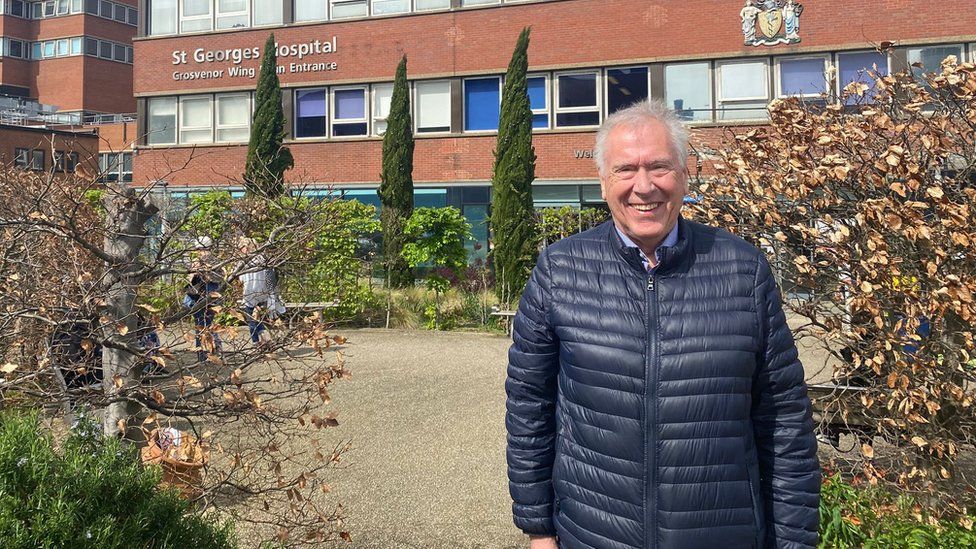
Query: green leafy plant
{"type": "Point", "coordinates": [210, 211]}
{"type": "Point", "coordinates": [437, 237]}
{"type": "Point", "coordinates": [558, 223]}
{"type": "Point", "coordinates": [91, 492]}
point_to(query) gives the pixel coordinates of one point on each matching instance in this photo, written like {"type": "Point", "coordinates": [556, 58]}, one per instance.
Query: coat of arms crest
{"type": "Point", "coordinates": [769, 22]}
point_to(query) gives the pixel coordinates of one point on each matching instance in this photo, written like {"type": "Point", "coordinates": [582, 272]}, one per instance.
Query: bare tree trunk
{"type": "Point", "coordinates": [126, 232]}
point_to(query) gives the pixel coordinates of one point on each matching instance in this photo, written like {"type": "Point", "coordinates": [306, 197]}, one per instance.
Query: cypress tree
{"type": "Point", "coordinates": [267, 160]}
{"type": "Point", "coordinates": [396, 181]}
{"type": "Point", "coordinates": [513, 216]}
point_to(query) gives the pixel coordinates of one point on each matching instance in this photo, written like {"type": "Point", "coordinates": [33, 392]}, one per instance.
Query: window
{"type": "Point", "coordinates": [233, 117]}
{"type": "Point", "coordinates": [421, 5]}
{"type": "Point", "coordinates": [310, 10]}
{"type": "Point", "coordinates": [743, 90]}
{"type": "Point", "coordinates": [76, 46]}
{"type": "Point", "coordinates": [161, 127]}
{"type": "Point", "coordinates": [119, 13]}
{"type": "Point", "coordinates": [49, 8]}
{"type": "Point", "coordinates": [433, 106]}
{"type": "Point", "coordinates": [482, 99]}
{"type": "Point", "coordinates": [115, 167]}
{"type": "Point", "coordinates": [478, 2]}
{"type": "Point", "coordinates": [348, 8]}
{"type": "Point", "coordinates": [539, 101]}
{"type": "Point", "coordinates": [17, 8]}
{"type": "Point", "coordinates": [929, 59]}
{"type": "Point", "coordinates": [196, 119]}
{"type": "Point", "coordinates": [49, 49]}
{"type": "Point", "coordinates": [91, 46]}
{"type": "Point", "coordinates": [21, 158]}
{"type": "Point", "coordinates": [15, 48]}
{"type": "Point", "coordinates": [382, 95]}
{"type": "Point", "coordinates": [65, 162]}
{"type": "Point", "coordinates": [132, 16]}
{"type": "Point", "coordinates": [63, 7]}
{"type": "Point", "coordinates": [105, 49]}
{"type": "Point", "coordinates": [232, 14]}
{"type": "Point", "coordinates": [310, 113]}
{"type": "Point", "coordinates": [119, 52]}
{"type": "Point", "coordinates": [194, 15]}
{"type": "Point", "coordinates": [625, 87]}
{"type": "Point", "coordinates": [348, 112]}
{"type": "Point", "coordinates": [129, 54]}
{"type": "Point", "coordinates": [105, 9]}
{"type": "Point", "coordinates": [35, 50]}
{"type": "Point", "coordinates": [62, 47]}
{"type": "Point", "coordinates": [383, 7]}
{"type": "Point", "coordinates": [268, 12]}
{"type": "Point", "coordinates": [162, 17]}
{"type": "Point", "coordinates": [91, 6]}
{"type": "Point", "coordinates": [577, 100]}
{"type": "Point", "coordinates": [37, 160]}
{"type": "Point", "coordinates": [126, 170]}
{"type": "Point", "coordinates": [803, 77]}
{"type": "Point", "coordinates": [857, 67]}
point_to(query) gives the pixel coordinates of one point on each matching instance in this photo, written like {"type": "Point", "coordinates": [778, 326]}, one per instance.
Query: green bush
{"type": "Point", "coordinates": [870, 517]}
{"type": "Point", "coordinates": [91, 492]}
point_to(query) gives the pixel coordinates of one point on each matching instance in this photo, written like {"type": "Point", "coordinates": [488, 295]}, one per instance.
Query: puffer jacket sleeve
{"type": "Point", "coordinates": [785, 441]}
{"type": "Point", "coordinates": [530, 419]}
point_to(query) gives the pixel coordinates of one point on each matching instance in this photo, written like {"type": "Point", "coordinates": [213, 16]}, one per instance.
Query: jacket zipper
{"type": "Point", "coordinates": [650, 416]}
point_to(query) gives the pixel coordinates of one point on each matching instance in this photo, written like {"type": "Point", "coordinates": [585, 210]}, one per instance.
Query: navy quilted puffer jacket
{"type": "Point", "coordinates": [659, 411]}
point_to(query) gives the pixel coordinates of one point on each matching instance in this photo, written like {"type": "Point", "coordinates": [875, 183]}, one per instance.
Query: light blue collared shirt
{"type": "Point", "coordinates": [668, 241]}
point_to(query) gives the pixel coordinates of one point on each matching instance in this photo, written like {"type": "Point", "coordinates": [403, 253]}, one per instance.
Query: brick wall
{"type": "Point", "coordinates": [85, 144]}
{"type": "Point", "coordinates": [566, 33]}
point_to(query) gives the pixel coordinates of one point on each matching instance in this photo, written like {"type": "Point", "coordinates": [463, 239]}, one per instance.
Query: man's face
{"type": "Point", "coordinates": [643, 183]}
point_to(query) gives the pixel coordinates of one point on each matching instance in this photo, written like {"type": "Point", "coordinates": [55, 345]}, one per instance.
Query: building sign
{"type": "Point", "coordinates": [582, 153]}
{"type": "Point", "coordinates": [771, 22]}
{"type": "Point", "coordinates": [292, 58]}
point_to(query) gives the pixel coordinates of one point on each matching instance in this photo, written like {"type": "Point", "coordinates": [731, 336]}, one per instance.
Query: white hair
{"type": "Point", "coordinates": [640, 114]}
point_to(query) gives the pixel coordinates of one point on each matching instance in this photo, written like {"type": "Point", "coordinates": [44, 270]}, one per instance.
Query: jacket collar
{"type": "Point", "coordinates": [669, 257]}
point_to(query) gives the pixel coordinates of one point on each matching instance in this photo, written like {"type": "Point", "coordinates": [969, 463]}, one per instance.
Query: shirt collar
{"type": "Point", "coordinates": [668, 242]}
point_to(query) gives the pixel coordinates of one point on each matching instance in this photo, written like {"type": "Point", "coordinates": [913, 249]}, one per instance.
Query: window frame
{"type": "Point", "coordinates": [181, 119]}
{"type": "Point", "coordinates": [547, 87]}
{"type": "Point", "coordinates": [209, 16]}
{"type": "Point", "coordinates": [372, 13]}
{"type": "Point", "coordinates": [295, 117]}
{"type": "Point", "coordinates": [778, 75]}
{"type": "Point", "coordinates": [22, 156]}
{"type": "Point", "coordinates": [464, 101]}
{"type": "Point", "coordinates": [606, 84]}
{"type": "Point", "coordinates": [217, 126]}
{"type": "Point", "coordinates": [717, 68]}
{"type": "Point", "coordinates": [332, 114]}
{"type": "Point", "coordinates": [341, 3]}
{"type": "Point", "coordinates": [415, 96]}
{"type": "Point", "coordinates": [374, 110]}
{"type": "Point", "coordinates": [908, 51]}
{"type": "Point", "coordinates": [218, 14]}
{"type": "Point", "coordinates": [838, 85]}
{"type": "Point", "coordinates": [175, 20]}
{"type": "Point", "coordinates": [415, 9]}
{"type": "Point", "coordinates": [176, 119]}
{"type": "Point", "coordinates": [36, 156]}
{"type": "Point", "coordinates": [598, 108]}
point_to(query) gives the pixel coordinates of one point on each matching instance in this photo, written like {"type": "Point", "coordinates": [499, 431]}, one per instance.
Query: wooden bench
{"type": "Point", "coordinates": [828, 418]}
{"type": "Point", "coordinates": [292, 310]}
{"type": "Point", "coordinates": [507, 319]}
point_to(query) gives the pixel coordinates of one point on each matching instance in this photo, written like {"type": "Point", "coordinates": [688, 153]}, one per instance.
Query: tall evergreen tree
{"type": "Point", "coordinates": [267, 160]}
{"type": "Point", "coordinates": [513, 216]}
{"type": "Point", "coordinates": [396, 187]}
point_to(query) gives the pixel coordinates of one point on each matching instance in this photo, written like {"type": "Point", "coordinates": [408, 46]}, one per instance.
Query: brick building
{"type": "Point", "coordinates": [715, 61]}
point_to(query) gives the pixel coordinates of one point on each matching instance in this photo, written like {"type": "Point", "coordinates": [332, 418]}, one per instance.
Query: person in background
{"type": "Point", "coordinates": [256, 279]}
{"type": "Point", "coordinates": [202, 291]}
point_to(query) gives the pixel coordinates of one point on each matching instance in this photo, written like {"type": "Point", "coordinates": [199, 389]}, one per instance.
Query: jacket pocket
{"type": "Point", "coordinates": [756, 515]}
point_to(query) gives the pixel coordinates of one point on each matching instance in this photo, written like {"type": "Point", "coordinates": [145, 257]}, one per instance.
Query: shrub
{"type": "Point", "coordinates": [872, 517]}
{"type": "Point", "coordinates": [92, 492]}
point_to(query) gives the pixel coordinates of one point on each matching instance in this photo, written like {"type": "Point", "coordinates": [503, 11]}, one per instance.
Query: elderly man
{"type": "Point", "coordinates": [655, 399]}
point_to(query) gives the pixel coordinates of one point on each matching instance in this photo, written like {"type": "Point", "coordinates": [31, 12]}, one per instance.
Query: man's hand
{"type": "Point", "coordinates": [543, 542]}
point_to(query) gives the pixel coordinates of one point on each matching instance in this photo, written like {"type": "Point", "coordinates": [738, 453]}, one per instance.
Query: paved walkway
{"type": "Point", "coordinates": [425, 413]}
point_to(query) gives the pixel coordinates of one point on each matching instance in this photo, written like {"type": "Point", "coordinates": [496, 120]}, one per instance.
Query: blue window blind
{"type": "Point", "coordinates": [854, 67]}
{"type": "Point", "coordinates": [310, 113]}
{"type": "Point", "coordinates": [802, 77]}
{"type": "Point", "coordinates": [481, 104]}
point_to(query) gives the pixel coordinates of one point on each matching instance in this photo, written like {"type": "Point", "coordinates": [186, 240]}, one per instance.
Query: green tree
{"type": "Point", "coordinates": [210, 214]}
{"type": "Point", "coordinates": [396, 187]}
{"type": "Point", "coordinates": [267, 159]}
{"type": "Point", "coordinates": [512, 217]}
{"type": "Point", "coordinates": [437, 237]}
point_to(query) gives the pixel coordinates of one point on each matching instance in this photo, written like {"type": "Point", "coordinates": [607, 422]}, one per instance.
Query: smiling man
{"type": "Point", "coordinates": [655, 399]}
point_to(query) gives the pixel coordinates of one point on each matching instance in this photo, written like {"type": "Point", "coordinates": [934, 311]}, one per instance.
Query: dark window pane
{"type": "Point", "coordinates": [577, 90]}
{"type": "Point", "coordinates": [625, 87]}
{"type": "Point", "coordinates": [341, 130]}
{"type": "Point", "coordinates": [310, 126]}
{"type": "Point", "coordinates": [540, 121]}
{"type": "Point", "coordinates": [105, 49]}
{"type": "Point", "coordinates": [475, 195]}
{"type": "Point", "coordinates": [578, 119]}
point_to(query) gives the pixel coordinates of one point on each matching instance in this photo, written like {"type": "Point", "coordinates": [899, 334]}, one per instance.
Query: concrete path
{"type": "Point", "coordinates": [425, 413]}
